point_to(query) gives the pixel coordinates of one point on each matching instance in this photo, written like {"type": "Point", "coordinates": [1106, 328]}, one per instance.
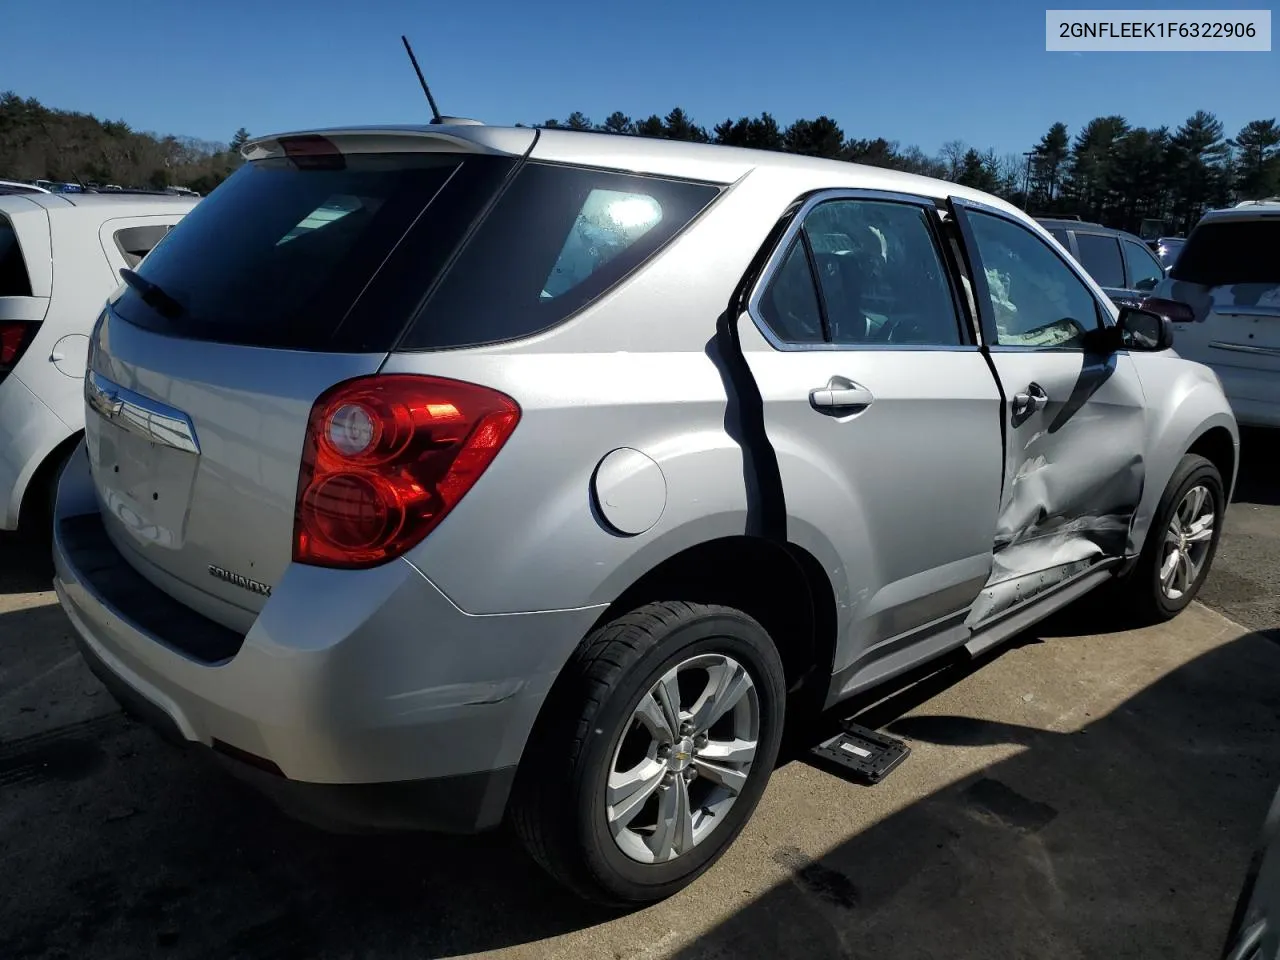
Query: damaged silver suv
{"type": "Point", "coordinates": [440, 476]}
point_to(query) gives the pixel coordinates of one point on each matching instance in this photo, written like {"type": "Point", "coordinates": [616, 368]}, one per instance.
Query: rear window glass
{"type": "Point", "coordinates": [559, 238]}
{"type": "Point", "coordinates": [1100, 255]}
{"type": "Point", "coordinates": [1230, 252]}
{"type": "Point", "coordinates": [278, 255]}
{"type": "Point", "coordinates": [14, 281]}
{"type": "Point", "coordinates": [135, 243]}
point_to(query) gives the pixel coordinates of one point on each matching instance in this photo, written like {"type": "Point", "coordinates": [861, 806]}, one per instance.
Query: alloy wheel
{"type": "Point", "coordinates": [683, 758]}
{"type": "Point", "coordinates": [1186, 542]}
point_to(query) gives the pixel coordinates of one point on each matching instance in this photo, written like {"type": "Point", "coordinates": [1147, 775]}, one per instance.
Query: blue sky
{"type": "Point", "coordinates": [919, 72]}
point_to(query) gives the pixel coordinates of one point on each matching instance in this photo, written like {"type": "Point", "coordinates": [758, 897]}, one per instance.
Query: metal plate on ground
{"type": "Point", "coordinates": [861, 754]}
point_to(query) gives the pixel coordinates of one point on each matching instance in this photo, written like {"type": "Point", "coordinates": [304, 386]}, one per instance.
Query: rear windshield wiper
{"type": "Point", "coordinates": [153, 295]}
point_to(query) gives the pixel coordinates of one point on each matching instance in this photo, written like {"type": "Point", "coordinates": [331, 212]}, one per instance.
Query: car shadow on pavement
{"type": "Point", "coordinates": [1125, 838]}
{"type": "Point", "coordinates": [117, 845]}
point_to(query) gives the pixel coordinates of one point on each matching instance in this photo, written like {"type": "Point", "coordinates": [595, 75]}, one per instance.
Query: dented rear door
{"type": "Point", "coordinates": [1072, 418]}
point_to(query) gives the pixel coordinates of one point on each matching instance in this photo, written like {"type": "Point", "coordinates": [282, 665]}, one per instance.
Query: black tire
{"type": "Point", "coordinates": [1140, 589]}
{"type": "Point", "coordinates": [558, 807]}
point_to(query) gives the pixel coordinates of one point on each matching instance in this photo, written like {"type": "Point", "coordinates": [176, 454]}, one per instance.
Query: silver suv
{"type": "Point", "coordinates": [439, 476]}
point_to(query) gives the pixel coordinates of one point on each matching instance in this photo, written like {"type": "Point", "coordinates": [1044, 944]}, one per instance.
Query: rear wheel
{"type": "Point", "coordinates": [1181, 544]}
{"type": "Point", "coordinates": [653, 751]}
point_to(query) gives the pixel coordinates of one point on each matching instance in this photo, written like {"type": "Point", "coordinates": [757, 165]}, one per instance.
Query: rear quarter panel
{"type": "Point", "coordinates": [639, 369]}
{"type": "Point", "coordinates": [82, 281]}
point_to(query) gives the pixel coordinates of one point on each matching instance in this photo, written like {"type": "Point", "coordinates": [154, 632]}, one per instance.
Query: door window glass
{"type": "Point", "coordinates": [1100, 255]}
{"type": "Point", "coordinates": [1144, 269]}
{"type": "Point", "coordinates": [790, 305]}
{"type": "Point", "coordinates": [881, 276]}
{"type": "Point", "coordinates": [1036, 300]}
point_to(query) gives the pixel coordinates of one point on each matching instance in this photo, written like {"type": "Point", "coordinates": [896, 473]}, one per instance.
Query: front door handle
{"type": "Point", "coordinates": [840, 396]}
{"type": "Point", "coordinates": [1032, 401]}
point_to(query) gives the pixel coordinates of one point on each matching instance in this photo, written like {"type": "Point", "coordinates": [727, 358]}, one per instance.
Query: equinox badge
{"type": "Point", "coordinates": [253, 586]}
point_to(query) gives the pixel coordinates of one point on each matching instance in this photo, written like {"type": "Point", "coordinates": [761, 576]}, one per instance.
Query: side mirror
{"type": "Point", "coordinates": [1143, 329]}
{"type": "Point", "coordinates": [1146, 284]}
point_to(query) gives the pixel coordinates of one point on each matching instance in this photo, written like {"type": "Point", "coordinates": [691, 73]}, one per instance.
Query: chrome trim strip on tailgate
{"type": "Point", "coordinates": [1268, 312]}
{"type": "Point", "coordinates": [149, 419]}
{"type": "Point", "coordinates": [1245, 348]}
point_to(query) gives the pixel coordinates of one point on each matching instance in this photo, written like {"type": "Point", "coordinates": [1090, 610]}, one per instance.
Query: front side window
{"type": "Point", "coordinates": [1144, 269]}
{"type": "Point", "coordinates": [1035, 299]}
{"type": "Point", "coordinates": [872, 271]}
{"type": "Point", "coordinates": [1100, 255]}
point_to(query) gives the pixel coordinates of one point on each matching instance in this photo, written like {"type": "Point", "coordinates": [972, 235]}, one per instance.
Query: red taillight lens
{"type": "Point", "coordinates": [15, 336]}
{"type": "Point", "coordinates": [386, 458]}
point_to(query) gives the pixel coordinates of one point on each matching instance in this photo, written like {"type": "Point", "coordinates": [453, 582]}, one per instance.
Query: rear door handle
{"type": "Point", "coordinates": [1032, 401]}
{"type": "Point", "coordinates": [840, 396]}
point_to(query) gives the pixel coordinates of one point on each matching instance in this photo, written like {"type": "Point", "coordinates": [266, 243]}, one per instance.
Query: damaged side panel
{"type": "Point", "coordinates": [1074, 471]}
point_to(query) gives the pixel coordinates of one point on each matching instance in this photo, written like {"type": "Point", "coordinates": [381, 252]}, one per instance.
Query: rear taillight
{"type": "Point", "coordinates": [15, 337]}
{"type": "Point", "coordinates": [386, 458]}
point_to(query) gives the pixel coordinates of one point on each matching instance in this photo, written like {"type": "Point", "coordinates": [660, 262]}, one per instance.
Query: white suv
{"type": "Point", "coordinates": [1229, 274]}
{"type": "Point", "coordinates": [60, 257]}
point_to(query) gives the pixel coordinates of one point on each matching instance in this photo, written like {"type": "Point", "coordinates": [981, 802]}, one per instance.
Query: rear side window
{"type": "Point", "coordinates": [862, 272]}
{"type": "Point", "coordinates": [14, 281]}
{"type": "Point", "coordinates": [134, 243]}
{"type": "Point", "coordinates": [559, 238]}
{"type": "Point", "coordinates": [887, 284]}
{"type": "Point", "coordinates": [279, 254]}
{"type": "Point", "coordinates": [1061, 237]}
{"type": "Point", "coordinates": [1100, 255]}
{"type": "Point", "coordinates": [790, 304]}
{"type": "Point", "coordinates": [1230, 252]}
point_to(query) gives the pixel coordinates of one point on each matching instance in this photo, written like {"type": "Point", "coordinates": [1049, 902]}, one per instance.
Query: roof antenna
{"type": "Point", "coordinates": [435, 111]}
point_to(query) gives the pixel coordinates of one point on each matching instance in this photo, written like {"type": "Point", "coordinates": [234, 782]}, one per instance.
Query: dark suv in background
{"type": "Point", "coordinates": [1121, 263]}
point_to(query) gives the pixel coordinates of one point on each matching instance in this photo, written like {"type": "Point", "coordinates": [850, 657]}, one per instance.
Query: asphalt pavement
{"type": "Point", "coordinates": [1077, 794]}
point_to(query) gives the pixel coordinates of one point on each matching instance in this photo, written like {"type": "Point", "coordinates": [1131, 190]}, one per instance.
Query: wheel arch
{"type": "Point", "coordinates": [31, 509]}
{"type": "Point", "coordinates": [781, 585]}
{"type": "Point", "coordinates": [1187, 413]}
{"type": "Point", "coordinates": [1218, 446]}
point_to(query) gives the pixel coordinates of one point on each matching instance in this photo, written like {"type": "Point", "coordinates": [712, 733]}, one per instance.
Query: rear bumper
{"type": "Point", "coordinates": [460, 804]}
{"type": "Point", "coordinates": [358, 698]}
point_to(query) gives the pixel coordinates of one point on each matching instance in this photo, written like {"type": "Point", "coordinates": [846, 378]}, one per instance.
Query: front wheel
{"type": "Point", "coordinates": [1181, 543]}
{"type": "Point", "coordinates": [655, 747]}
